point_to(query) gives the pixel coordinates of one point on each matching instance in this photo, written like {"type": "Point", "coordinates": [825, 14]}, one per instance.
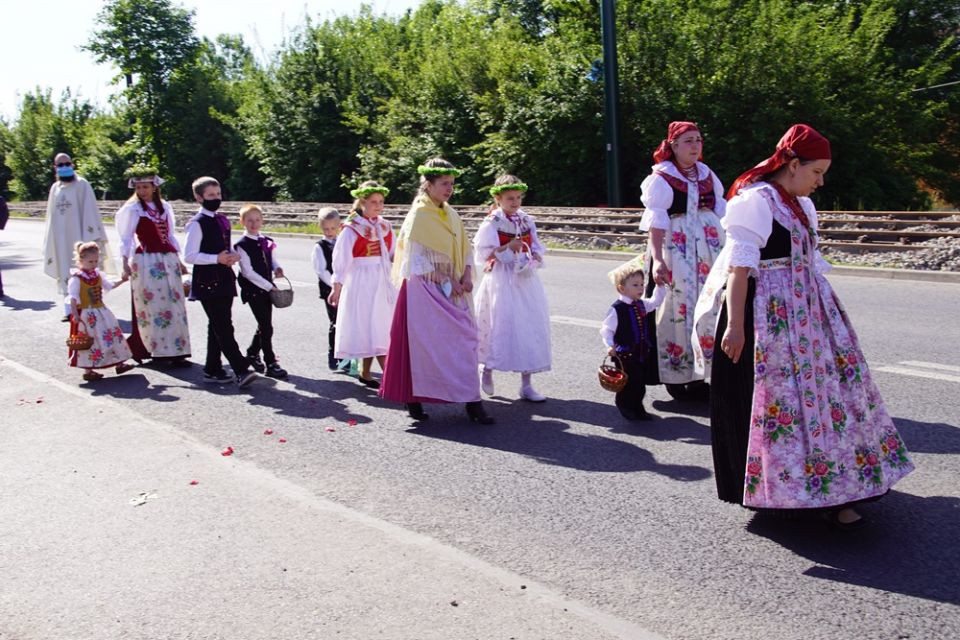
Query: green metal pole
{"type": "Point", "coordinates": [611, 92]}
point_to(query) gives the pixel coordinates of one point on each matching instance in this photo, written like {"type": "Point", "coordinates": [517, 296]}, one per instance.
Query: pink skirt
{"type": "Point", "coordinates": [433, 348]}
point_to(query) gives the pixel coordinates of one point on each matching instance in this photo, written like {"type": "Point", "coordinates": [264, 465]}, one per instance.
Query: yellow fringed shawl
{"type": "Point", "coordinates": [440, 230]}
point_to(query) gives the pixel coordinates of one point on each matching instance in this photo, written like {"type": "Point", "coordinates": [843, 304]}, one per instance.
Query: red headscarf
{"type": "Point", "coordinates": [674, 131]}
{"type": "Point", "coordinates": [800, 141]}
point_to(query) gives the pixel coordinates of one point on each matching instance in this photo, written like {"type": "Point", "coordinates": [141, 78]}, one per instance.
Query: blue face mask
{"type": "Point", "coordinates": [64, 172]}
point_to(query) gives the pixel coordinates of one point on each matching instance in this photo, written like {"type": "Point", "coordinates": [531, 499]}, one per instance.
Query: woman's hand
{"type": "Point", "coordinates": [127, 272]}
{"type": "Point", "coordinates": [466, 284]}
{"type": "Point", "coordinates": [661, 274]}
{"type": "Point", "coordinates": [183, 269]}
{"type": "Point", "coordinates": [334, 297]}
{"type": "Point", "coordinates": [732, 342]}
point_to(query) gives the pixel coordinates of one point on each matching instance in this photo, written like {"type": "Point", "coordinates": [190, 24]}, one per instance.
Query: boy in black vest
{"type": "Point", "coordinates": [258, 264]}
{"type": "Point", "coordinates": [625, 335]}
{"type": "Point", "coordinates": [323, 266]}
{"type": "Point", "coordinates": [214, 283]}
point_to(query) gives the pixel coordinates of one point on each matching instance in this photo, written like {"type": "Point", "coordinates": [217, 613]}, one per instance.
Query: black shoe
{"type": "Point", "coordinates": [244, 379]}
{"type": "Point", "coordinates": [179, 362]}
{"type": "Point", "coordinates": [642, 415]}
{"type": "Point", "coordinates": [256, 363]}
{"type": "Point", "coordinates": [369, 382]}
{"type": "Point", "coordinates": [274, 370]}
{"type": "Point", "coordinates": [217, 378]}
{"type": "Point", "coordinates": [833, 518]}
{"type": "Point", "coordinates": [332, 363]}
{"type": "Point", "coordinates": [415, 409]}
{"type": "Point", "coordinates": [478, 414]}
{"type": "Point", "coordinates": [65, 319]}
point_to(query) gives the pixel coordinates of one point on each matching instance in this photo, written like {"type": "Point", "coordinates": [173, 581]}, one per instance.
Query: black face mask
{"type": "Point", "coordinates": [69, 179]}
{"type": "Point", "coordinates": [211, 205]}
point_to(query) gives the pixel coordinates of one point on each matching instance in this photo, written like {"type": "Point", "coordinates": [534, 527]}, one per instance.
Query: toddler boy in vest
{"type": "Point", "coordinates": [208, 249]}
{"type": "Point", "coordinates": [626, 337]}
{"type": "Point", "coordinates": [322, 259]}
{"type": "Point", "coordinates": [258, 265]}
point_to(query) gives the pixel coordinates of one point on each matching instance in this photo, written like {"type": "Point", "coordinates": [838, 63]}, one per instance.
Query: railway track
{"type": "Point", "coordinates": [854, 231]}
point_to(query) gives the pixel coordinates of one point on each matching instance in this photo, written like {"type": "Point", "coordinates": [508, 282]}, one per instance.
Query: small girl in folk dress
{"type": "Point", "coordinates": [513, 319]}
{"type": "Point", "coordinates": [85, 289]}
{"type": "Point", "coordinates": [362, 291]}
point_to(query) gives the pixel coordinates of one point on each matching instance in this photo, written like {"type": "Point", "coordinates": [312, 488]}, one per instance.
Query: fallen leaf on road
{"type": "Point", "coordinates": [194, 482]}
{"type": "Point", "coordinates": [329, 429]}
{"type": "Point", "coordinates": [352, 423]}
{"type": "Point", "coordinates": [141, 498]}
{"type": "Point", "coordinates": [282, 440]}
{"type": "Point", "coordinates": [227, 452]}
{"type": "Point", "coordinates": [268, 432]}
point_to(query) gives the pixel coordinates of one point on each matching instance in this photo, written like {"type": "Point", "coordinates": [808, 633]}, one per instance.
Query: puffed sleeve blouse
{"type": "Point", "coordinates": [657, 195]}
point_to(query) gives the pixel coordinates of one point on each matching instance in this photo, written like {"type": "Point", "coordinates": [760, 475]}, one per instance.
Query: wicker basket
{"type": "Point", "coordinates": [187, 282]}
{"type": "Point", "coordinates": [282, 297]}
{"type": "Point", "coordinates": [612, 376]}
{"type": "Point", "coordinates": [81, 340]}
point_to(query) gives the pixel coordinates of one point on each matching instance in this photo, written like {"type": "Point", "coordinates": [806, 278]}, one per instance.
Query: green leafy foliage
{"type": "Point", "coordinates": [512, 86]}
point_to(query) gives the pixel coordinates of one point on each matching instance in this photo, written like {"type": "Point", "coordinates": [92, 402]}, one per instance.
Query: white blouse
{"type": "Point", "coordinates": [128, 217]}
{"type": "Point", "coordinates": [487, 240]}
{"type": "Point", "coordinates": [73, 287]}
{"type": "Point", "coordinates": [657, 194]}
{"type": "Point", "coordinates": [749, 223]}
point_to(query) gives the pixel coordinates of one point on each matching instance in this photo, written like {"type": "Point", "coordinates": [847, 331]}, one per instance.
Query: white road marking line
{"type": "Point", "coordinates": [904, 371]}
{"type": "Point", "coordinates": [580, 322]}
{"type": "Point", "coordinates": [930, 365]}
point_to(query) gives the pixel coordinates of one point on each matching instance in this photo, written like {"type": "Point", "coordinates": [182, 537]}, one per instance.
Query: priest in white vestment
{"type": "Point", "coordinates": [72, 216]}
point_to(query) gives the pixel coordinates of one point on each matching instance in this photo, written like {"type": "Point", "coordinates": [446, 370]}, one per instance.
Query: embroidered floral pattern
{"type": "Point", "coordinates": [778, 421]}
{"type": "Point", "coordinates": [754, 473]}
{"type": "Point", "coordinates": [868, 466]}
{"type": "Point", "coordinates": [776, 315]}
{"type": "Point", "coordinates": [820, 473]}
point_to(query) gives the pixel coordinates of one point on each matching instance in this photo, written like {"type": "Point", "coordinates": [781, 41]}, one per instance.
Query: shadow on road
{"type": "Point", "coordinates": [909, 547]}
{"type": "Point", "coordinates": [26, 305]}
{"type": "Point", "coordinates": [315, 399]}
{"type": "Point", "coordinates": [929, 437]}
{"type": "Point", "coordinates": [551, 442]}
{"type": "Point", "coordinates": [131, 386]}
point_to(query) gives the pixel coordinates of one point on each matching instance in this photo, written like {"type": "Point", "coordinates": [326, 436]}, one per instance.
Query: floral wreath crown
{"type": "Point", "coordinates": [439, 171]}
{"type": "Point", "coordinates": [142, 173]}
{"type": "Point", "coordinates": [365, 192]}
{"type": "Point", "coordinates": [500, 188]}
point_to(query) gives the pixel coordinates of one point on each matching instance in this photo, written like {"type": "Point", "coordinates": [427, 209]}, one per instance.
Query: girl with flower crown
{"type": "Point", "coordinates": [85, 289]}
{"type": "Point", "coordinates": [151, 259]}
{"type": "Point", "coordinates": [513, 318]}
{"type": "Point", "coordinates": [797, 422]}
{"type": "Point", "coordinates": [433, 338]}
{"type": "Point", "coordinates": [683, 204]}
{"type": "Point", "coordinates": [362, 290]}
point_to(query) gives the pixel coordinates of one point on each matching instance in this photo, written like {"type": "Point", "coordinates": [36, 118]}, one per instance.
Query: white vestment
{"type": "Point", "coordinates": [72, 216]}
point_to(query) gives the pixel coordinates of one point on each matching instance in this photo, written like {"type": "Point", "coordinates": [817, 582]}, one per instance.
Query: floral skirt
{"type": "Point", "coordinates": [109, 346]}
{"type": "Point", "coordinates": [771, 449]}
{"type": "Point", "coordinates": [159, 308]}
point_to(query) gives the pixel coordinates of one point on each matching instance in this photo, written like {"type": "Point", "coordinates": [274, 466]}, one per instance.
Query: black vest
{"type": "Point", "coordinates": [262, 262]}
{"type": "Point", "coordinates": [212, 280]}
{"type": "Point", "coordinates": [631, 335]}
{"type": "Point", "coordinates": [327, 247]}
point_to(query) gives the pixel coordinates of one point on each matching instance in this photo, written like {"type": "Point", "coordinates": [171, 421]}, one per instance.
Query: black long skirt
{"type": "Point", "coordinates": [731, 402]}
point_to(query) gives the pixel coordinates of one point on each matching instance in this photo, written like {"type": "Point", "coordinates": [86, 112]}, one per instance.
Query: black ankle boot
{"type": "Point", "coordinates": [415, 409]}
{"type": "Point", "coordinates": [478, 414]}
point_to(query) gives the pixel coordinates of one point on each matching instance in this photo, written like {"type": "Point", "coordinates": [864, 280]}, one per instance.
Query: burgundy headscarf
{"type": "Point", "coordinates": [800, 141]}
{"type": "Point", "coordinates": [674, 131]}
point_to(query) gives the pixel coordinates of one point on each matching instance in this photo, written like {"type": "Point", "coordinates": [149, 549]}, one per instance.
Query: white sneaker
{"type": "Point", "coordinates": [532, 395]}
{"type": "Point", "coordinates": [486, 381]}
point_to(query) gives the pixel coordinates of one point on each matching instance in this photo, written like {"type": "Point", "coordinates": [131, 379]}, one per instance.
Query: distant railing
{"type": "Point", "coordinates": [846, 230]}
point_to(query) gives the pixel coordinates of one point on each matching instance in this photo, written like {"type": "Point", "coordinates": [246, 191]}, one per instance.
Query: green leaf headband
{"type": "Point", "coordinates": [500, 188]}
{"type": "Point", "coordinates": [142, 173]}
{"type": "Point", "coordinates": [361, 193]}
{"type": "Point", "coordinates": [439, 171]}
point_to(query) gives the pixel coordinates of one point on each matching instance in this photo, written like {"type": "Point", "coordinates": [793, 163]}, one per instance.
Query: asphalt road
{"type": "Point", "coordinates": [621, 517]}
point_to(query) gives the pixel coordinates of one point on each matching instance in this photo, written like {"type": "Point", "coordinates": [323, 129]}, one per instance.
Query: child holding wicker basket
{"type": "Point", "coordinates": [624, 332]}
{"type": "Point", "coordinates": [96, 340]}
